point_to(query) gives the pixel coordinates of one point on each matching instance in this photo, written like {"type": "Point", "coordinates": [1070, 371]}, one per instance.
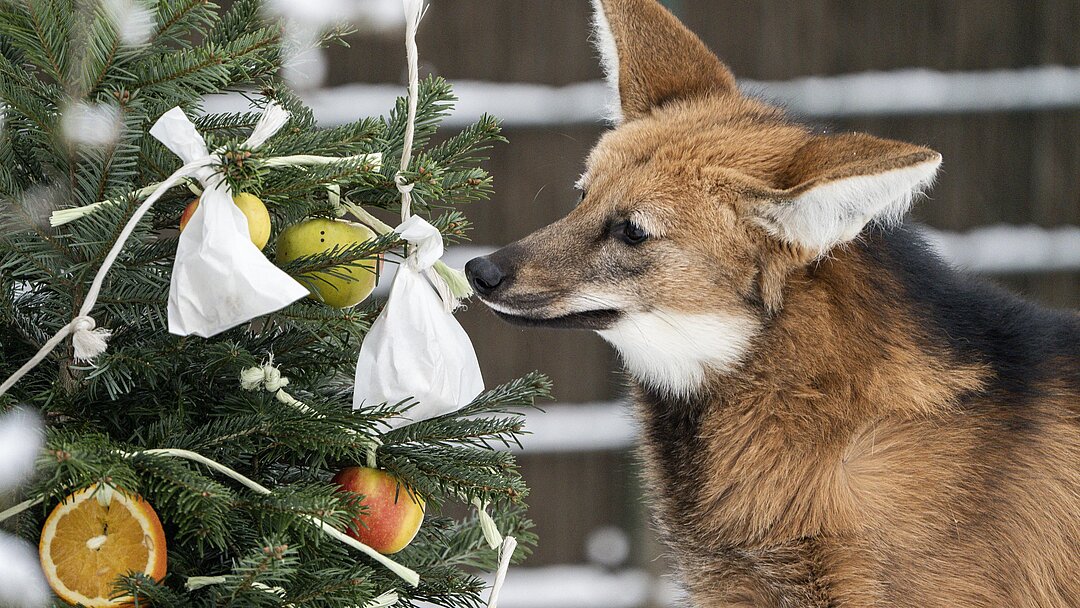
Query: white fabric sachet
{"type": "Point", "coordinates": [416, 349]}
{"type": "Point", "coordinates": [220, 278]}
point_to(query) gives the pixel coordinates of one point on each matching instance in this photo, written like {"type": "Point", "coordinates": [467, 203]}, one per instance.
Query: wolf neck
{"type": "Point", "coordinates": [752, 457]}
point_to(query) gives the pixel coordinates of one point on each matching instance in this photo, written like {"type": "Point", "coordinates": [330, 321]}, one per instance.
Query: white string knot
{"type": "Point", "coordinates": [403, 184]}
{"type": "Point", "coordinates": [88, 342]}
{"type": "Point", "coordinates": [265, 376]}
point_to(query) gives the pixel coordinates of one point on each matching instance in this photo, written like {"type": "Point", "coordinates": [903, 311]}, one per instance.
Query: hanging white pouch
{"type": "Point", "coordinates": [416, 349]}
{"type": "Point", "coordinates": [220, 278]}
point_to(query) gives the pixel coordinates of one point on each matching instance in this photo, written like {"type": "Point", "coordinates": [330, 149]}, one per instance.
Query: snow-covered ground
{"type": "Point", "coordinates": [586, 587]}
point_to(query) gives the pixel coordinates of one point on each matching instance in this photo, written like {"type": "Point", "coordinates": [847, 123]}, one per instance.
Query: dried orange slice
{"type": "Point", "coordinates": [96, 535]}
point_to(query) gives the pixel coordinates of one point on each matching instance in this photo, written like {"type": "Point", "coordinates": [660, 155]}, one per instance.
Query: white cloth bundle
{"type": "Point", "coordinates": [220, 278]}
{"type": "Point", "coordinates": [416, 348]}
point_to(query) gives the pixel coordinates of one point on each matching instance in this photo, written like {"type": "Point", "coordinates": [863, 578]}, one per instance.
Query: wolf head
{"type": "Point", "coordinates": [694, 210]}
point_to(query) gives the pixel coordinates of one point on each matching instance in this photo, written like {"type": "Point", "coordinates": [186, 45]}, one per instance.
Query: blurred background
{"type": "Point", "coordinates": [991, 84]}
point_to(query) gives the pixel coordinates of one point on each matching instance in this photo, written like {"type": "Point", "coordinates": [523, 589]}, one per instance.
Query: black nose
{"type": "Point", "coordinates": [484, 275]}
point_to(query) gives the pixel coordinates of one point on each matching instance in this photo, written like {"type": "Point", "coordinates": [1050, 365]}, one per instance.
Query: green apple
{"type": "Point", "coordinates": [320, 235]}
{"type": "Point", "coordinates": [258, 218]}
{"type": "Point", "coordinates": [393, 515]}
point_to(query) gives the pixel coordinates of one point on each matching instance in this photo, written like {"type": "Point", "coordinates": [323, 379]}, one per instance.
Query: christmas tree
{"type": "Point", "coordinates": [233, 440]}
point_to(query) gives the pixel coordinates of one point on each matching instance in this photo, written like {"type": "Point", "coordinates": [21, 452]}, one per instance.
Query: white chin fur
{"type": "Point", "coordinates": [506, 310]}
{"type": "Point", "coordinates": [672, 351]}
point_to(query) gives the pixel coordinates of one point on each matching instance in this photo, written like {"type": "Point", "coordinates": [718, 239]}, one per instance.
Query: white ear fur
{"type": "Point", "coordinates": [836, 212]}
{"type": "Point", "coordinates": [609, 59]}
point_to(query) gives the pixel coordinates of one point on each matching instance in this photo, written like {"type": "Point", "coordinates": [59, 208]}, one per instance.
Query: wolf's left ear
{"type": "Point", "coordinates": [650, 58]}
{"type": "Point", "coordinates": [841, 183]}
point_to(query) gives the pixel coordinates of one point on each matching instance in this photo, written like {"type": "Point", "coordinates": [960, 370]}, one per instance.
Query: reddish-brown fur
{"type": "Point", "coordinates": [890, 436]}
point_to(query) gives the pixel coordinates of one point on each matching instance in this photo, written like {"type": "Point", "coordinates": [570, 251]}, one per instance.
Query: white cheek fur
{"type": "Point", "coordinates": [672, 351]}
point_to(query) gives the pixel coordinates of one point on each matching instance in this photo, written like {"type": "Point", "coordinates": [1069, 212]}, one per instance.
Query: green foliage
{"type": "Point", "coordinates": [153, 390]}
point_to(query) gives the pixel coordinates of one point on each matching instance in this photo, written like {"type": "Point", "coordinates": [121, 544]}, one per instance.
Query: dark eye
{"type": "Point", "coordinates": [631, 233]}
{"type": "Point", "coordinates": [581, 195]}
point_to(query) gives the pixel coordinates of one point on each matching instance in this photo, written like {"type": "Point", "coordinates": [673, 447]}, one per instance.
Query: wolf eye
{"type": "Point", "coordinates": [581, 195]}
{"type": "Point", "coordinates": [631, 233]}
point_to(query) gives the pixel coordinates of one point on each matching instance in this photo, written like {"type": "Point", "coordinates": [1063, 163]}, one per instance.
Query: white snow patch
{"type": "Point", "coordinates": [1006, 249]}
{"type": "Point", "coordinates": [377, 15]}
{"type": "Point", "coordinates": [304, 63]}
{"type": "Point", "coordinates": [22, 585]}
{"type": "Point", "coordinates": [608, 546]}
{"type": "Point", "coordinates": [869, 93]}
{"type": "Point", "coordinates": [134, 20]}
{"type": "Point", "coordinates": [94, 125]}
{"type": "Point", "coordinates": [580, 427]}
{"type": "Point", "coordinates": [575, 586]}
{"type": "Point", "coordinates": [516, 104]}
{"type": "Point", "coordinates": [20, 440]}
{"type": "Point", "coordinates": [918, 91]}
{"type": "Point", "coordinates": [21, 582]}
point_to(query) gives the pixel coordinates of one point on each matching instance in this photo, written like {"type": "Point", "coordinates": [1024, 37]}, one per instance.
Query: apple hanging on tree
{"type": "Point", "coordinates": [320, 235]}
{"type": "Point", "coordinates": [393, 514]}
{"type": "Point", "coordinates": [258, 218]}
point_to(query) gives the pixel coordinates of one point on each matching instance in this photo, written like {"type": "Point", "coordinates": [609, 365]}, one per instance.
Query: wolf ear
{"type": "Point", "coordinates": [650, 58]}
{"type": "Point", "coordinates": [842, 183]}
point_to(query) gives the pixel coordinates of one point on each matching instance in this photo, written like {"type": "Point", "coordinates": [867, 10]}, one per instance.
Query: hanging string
{"type": "Point", "coordinates": [495, 540]}
{"type": "Point", "coordinates": [414, 12]}
{"type": "Point", "coordinates": [506, 552]}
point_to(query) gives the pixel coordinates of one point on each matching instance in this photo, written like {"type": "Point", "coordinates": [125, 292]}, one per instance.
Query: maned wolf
{"type": "Point", "coordinates": [832, 416]}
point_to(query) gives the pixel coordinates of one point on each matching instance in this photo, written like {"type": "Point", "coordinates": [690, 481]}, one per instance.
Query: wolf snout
{"type": "Point", "coordinates": [484, 275]}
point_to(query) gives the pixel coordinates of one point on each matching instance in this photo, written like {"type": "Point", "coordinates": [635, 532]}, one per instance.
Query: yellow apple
{"type": "Point", "coordinates": [319, 235]}
{"type": "Point", "coordinates": [393, 515]}
{"type": "Point", "coordinates": [258, 218]}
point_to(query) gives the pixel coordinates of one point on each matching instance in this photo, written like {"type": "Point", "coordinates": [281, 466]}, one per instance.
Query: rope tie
{"type": "Point", "coordinates": [265, 376]}
{"type": "Point", "coordinates": [88, 342]}
{"type": "Point", "coordinates": [403, 184]}
{"type": "Point", "coordinates": [269, 378]}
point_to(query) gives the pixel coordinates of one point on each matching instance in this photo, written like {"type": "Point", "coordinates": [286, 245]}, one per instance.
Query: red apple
{"type": "Point", "coordinates": [392, 517]}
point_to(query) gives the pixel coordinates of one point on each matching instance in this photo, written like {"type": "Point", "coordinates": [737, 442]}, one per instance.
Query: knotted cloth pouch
{"type": "Point", "coordinates": [416, 348]}
{"type": "Point", "coordinates": [220, 278]}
